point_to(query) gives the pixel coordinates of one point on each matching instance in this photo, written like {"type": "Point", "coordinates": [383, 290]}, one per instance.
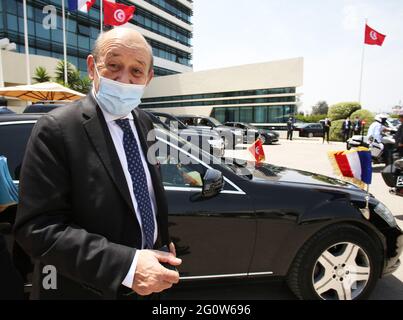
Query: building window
{"type": "Point", "coordinates": [264, 114]}
{"type": "Point", "coordinates": [12, 23]}
{"type": "Point", "coordinates": [11, 7]}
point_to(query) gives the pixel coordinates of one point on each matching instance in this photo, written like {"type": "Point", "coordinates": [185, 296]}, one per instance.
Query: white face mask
{"type": "Point", "coordinates": [118, 98]}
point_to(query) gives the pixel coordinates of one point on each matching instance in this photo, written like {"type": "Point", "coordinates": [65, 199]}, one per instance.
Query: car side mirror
{"type": "Point", "coordinates": [213, 183]}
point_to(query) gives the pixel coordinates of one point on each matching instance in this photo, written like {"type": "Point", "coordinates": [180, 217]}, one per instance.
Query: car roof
{"type": "Point", "coordinates": [193, 116]}
{"type": "Point", "coordinates": [21, 117]}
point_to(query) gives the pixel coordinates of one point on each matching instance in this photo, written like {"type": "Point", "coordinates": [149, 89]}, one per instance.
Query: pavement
{"type": "Point", "coordinates": [308, 155]}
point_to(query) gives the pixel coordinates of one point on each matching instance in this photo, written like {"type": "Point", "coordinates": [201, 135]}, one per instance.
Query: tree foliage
{"type": "Point", "coordinates": [335, 131]}
{"type": "Point", "coordinates": [41, 75]}
{"type": "Point", "coordinates": [310, 118]}
{"type": "Point", "coordinates": [343, 110]}
{"type": "Point", "coordinates": [320, 108]}
{"type": "Point", "coordinates": [75, 80]}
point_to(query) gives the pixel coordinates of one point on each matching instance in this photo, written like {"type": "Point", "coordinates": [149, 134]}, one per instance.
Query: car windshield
{"type": "Point", "coordinates": [173, 137]}
{"type": "Point", "coordinates": [215, 121]}
{"type": "Point", "coordinates": [249, 126]}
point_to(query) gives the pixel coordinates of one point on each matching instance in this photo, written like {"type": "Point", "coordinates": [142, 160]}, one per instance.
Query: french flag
{"type": "Point", "coordinates": [80, 5]}
{"type": "Point", "coordinates": [354, 164]}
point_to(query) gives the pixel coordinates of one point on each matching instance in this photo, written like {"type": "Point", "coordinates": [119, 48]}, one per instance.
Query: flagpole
{"type": "Point", "coordinates": [362, 67]}
{"type": "Point", "coordinates": [27, 62]}
{"type": "Point", "coordinates": [64, 45]}
{"type": "Point", "coordinates": [101, 15]}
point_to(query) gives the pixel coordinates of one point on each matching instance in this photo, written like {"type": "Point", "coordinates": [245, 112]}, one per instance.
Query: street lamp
{"type": "Point", "coordinates": [5, 45]}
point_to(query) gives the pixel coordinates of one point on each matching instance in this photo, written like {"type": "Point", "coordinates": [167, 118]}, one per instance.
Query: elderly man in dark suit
{"type": "Point", "coordinates": [92, 204]}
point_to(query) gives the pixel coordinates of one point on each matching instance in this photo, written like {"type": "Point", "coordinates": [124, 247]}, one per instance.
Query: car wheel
{"type": "Point", "coordinates": [341, 262]}
{"type": "Point", "coordinates": [348, 146]}
{"type": "Point", "coordinates": [263, 139]}
{"type": "Point", "coordinates": [310, 135]}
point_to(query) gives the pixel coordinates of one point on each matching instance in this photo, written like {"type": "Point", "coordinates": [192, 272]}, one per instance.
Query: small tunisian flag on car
{"type": "Point", "coordinates": [257, 150]}
{"type": "Point", "coordinates": [373, 37]}
{"type": "Point", "coordinates": [116, 14]}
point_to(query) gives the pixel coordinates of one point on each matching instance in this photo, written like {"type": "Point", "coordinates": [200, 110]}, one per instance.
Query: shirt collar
{"type": "Point", "coordinates": [109, 117]}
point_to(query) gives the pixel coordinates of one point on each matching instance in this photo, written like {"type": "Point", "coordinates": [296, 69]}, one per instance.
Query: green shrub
{"type": "Point", "coordinates": [335, 131]}
{"type": "Point", "coordinates": [343, 110]}
{"type": "Point", "coordinates": [311, 118]}
{"type": "Point", "coordinates": [364, 115]}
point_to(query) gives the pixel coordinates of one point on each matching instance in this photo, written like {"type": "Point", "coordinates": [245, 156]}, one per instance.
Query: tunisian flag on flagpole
{"type": "Point", "coordinates": [116, 14]}
{"type": "Point", "coordinates": [257, 150]}
{"type": "Point", "coordinates": [373, 37]}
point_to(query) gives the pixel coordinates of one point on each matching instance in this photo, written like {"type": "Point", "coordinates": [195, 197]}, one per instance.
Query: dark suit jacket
{"type": "Point", "coordinates": [346, 126]}
{"type": "Point", "coordinates": [75, 210]}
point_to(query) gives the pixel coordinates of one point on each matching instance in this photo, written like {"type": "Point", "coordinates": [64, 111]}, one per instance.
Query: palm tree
{"type": "Point", "coordinates": [75, 81]}
{"type": "Point", "coordinates": [60, 72]}
{"type": "Point", "coordinates": [41, 75]}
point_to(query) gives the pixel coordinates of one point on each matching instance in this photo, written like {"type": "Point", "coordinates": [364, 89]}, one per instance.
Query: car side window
{"type": "Point", "coordinates": [205, 122]}
{"type": "Point", "coordinates": [13, 140]}
{"type": "Point", "coordinates": [177, 171]}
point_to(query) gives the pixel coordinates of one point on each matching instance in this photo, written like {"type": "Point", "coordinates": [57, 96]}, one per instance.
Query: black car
{"type": "Point", "coordinates": [5, 111]}
{"type": "Point", "coordinates": [251, 133]}
{"type": "Point", "coordinates": [310, 130]}
{"type": "Point", "coordinates": [232, 136]}
{"type": "Point", "coordinates": [230, 219]}
{"type": "Point", "coordinates": [42, 107]}
{"type": "Point", "coordinates": [203, 138]}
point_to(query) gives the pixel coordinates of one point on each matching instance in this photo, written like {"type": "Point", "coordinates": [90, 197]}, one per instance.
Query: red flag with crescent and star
{"type": "Point", "coordinates": [373, 37]}
{"type": "Point", "coordinates": [116, 14]}
{"type": "Point", "coordinates": [257, 150]}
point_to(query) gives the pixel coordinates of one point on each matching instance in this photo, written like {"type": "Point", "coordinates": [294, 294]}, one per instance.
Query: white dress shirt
{"type": "Point", "coordinates": [117, 137]}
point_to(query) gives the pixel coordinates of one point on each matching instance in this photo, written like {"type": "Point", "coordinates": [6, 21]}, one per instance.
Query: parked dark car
{"type": "Point", "coordinates": [4, 111]}
{"type": "Point", "coordinates": [41, 107]}
{"type": "Point", "coordinates": [310, 130]}
{"type": "Point", "coordinates": [197, 135]}
{"type": "Point", "coordinates": [251, 133]}
{"type": "Point", "coordinates": [232, 136]}
{"type": "Point", "coordinates": [237, 221]}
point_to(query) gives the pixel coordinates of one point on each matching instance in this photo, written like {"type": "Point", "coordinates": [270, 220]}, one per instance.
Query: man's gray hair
{"type": "Point", "coordinates": [97, 50]}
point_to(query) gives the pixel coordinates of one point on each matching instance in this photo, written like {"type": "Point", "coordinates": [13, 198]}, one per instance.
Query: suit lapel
{"type": "Point", "coordinates": [98, 132]}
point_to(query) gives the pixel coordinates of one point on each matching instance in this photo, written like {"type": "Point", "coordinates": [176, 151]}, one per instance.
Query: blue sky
{"type": "Point", "coordinates": [329, 34]}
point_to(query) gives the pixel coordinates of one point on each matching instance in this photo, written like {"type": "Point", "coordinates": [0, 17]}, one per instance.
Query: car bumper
{"type": "Point", "coordinates": [393, 262]}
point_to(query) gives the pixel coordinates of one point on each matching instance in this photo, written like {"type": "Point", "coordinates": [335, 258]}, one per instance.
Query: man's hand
{"type": "Point", "coordinates": [172, 248]}
{"type": "Point", "coordinates": [151, 276]}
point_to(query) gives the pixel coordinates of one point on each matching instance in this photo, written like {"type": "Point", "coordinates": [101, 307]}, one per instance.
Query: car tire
{"type": "Point", "coordinates": [310, 280]}
{"type": "Point", "coordinates": [263, 139]}
{"type": "Point", "coordinates": [348, 146]}
{"type": "Point", "coordinates": [310, 135]}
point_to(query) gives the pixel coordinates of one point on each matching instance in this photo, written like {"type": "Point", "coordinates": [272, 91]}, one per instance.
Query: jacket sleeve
{"type": "Point", "coordinates": [44, 226]}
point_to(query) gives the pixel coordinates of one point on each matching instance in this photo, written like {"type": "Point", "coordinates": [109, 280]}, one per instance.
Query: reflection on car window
{"type": "Point", "coordinates": [177, 174]}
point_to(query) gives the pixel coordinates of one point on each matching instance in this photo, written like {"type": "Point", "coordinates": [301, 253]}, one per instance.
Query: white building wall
{"type": "Point", "coordinates": [275, 74]}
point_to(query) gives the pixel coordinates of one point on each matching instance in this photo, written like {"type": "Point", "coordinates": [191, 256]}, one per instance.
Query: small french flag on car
{"type": "Point", "coordinates": [80, 5]}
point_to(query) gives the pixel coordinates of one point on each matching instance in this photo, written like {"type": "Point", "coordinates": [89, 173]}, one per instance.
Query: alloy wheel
{"type": "Point", "coordinates": [341, 272]}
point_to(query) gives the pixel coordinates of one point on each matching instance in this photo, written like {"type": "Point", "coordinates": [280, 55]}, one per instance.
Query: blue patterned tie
{"type": "Point", "coordinates": [140, 187]}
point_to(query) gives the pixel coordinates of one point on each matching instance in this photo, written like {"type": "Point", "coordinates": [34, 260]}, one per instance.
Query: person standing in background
{"type": "Point", "coordinates": [326, 130]}
{"type": "Point", "coordinates": [346, 129]}
{"type": "Point", "coordinates": [357, 126]}
{"type": "Point", "coordinates": [290, 128]}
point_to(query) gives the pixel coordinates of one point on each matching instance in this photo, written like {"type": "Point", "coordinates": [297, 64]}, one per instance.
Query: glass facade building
{"type": "Point", "coordinates": [166, 24]}
{"type": "Point", "coordinates": [261, 106]}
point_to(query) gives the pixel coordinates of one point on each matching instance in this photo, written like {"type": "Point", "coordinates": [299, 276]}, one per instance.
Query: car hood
{"type": "Point", "coordinates": [271, 173]}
